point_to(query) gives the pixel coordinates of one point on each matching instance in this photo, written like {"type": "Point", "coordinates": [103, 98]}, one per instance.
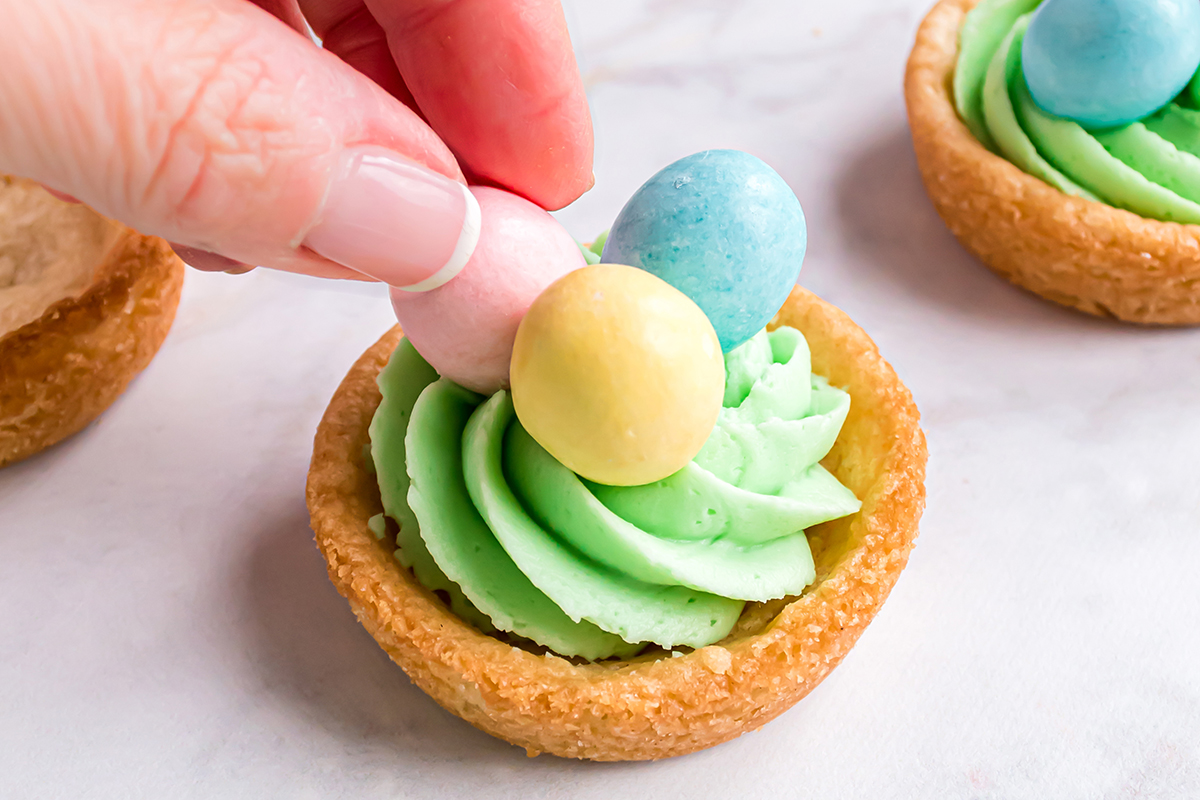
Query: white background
{"type": "Point", "coordinates": [167, 629]}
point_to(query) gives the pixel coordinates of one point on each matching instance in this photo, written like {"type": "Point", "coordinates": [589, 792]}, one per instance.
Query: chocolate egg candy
{"type": "Point", "coordinates": [1105, 63]}
{"type": "Point", "coordinates": [617, 375]}
{"type": "Point", "coordinates": [723, 228]}
{"type": "Point", "coordinates": [465, 328]}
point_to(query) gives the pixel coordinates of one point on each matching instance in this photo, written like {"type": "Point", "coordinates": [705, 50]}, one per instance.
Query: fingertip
{"type": "Point", "coordinates": [498, 81]}
{"type": "Point", "coordinates": [286, 11]}
{"type": "Point", "coordinates": [551, 165]}
{"type": "Point", "coordinates": [66, 198]}
{"type": "Point", "coordinates": [234, 157]}
{"type": "Point", "coordinates": [553, 197]}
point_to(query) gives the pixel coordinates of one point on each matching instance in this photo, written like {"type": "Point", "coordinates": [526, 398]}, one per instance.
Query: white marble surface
{"type": "Point", "coordinates": [167, 629]}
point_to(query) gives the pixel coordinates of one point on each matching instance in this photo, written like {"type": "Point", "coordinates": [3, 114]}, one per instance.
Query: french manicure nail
{"type": "Point", "coordinates": [396, 221]}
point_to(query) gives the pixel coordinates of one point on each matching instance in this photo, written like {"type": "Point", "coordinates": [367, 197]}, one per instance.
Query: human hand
{"type": "Point", "coordinates": [215, 125]}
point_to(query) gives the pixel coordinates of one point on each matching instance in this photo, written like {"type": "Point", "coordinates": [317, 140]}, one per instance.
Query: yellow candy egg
{"type": "Point", "coordinates": [618, 374]}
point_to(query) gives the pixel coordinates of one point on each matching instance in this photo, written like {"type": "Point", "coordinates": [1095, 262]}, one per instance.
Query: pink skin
{"type": "Point", "coordinates": [466, 328]}
{"type": "Point", "coordinates": [216, 125]}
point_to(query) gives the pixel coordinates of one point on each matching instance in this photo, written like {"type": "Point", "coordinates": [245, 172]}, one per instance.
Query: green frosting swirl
{"type": "Point", "coordinates": [514, 540]}
{"type": "Point", "coordinates": [1151, 167]}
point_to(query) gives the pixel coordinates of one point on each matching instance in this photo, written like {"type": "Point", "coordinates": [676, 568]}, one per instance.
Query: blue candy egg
{"type": "Point", "coordinates": [723, 228]}
{"type": "Point", "coordinates": [1105, 63]}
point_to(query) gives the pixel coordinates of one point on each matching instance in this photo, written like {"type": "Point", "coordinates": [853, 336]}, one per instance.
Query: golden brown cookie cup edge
{"type": "Point", "coordinates": [63, 370]}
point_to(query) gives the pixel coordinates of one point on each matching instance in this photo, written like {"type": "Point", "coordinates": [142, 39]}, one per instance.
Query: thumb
{"type": "Point", "coordinates": [212, 124]}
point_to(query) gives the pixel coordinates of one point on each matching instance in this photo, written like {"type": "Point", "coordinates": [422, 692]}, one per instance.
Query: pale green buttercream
{"type": "Point", "coordinates": [401, 382]}
{"type": "Point", "coordinates": [1082, 156]}
{"type": "Point", "coordinates": [758, 477]}
{"type": "Point", "coordinates": [984, 28]}
{"type": "Point", "coordinates": [516, 538]}
{"type": "Point", "coordinates": [1155, 159]}
{"type": "Point", "coordinates": [560, 501]}
{"type": "Point", "coordinates": [635, 610]}
{"type": "Point", "coordinates": [1001, 118]}
{"type": "Point", "coordinates": [1151, 169]}
{"type": "Point", "coordinates": [463, 544]}
{"type": "Point", "coordinates": [1178, 125]}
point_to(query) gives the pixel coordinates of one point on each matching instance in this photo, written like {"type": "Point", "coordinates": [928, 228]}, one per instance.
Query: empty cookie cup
{"type": "Point", "coordinates": [85, 304]}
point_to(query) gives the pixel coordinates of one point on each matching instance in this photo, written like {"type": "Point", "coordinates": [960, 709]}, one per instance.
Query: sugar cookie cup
{"type": "Point", "coordinates": [655, 705]}
{"type": "Point", "coordinates": [84, 305]}
{"type": "Point", "coordinates": [1079, 253]}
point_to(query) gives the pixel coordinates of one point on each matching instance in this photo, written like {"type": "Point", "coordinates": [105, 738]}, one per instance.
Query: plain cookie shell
{"type": "Point", "coordinates": [1079, 253]}
{"type": "Point", "coordinates": [653, 706]}
{"type": "Point", "coordinates": [63, 369]}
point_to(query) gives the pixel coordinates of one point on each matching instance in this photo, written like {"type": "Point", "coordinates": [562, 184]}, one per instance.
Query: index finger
{"type": "Point", "coordinates": [497, 80]}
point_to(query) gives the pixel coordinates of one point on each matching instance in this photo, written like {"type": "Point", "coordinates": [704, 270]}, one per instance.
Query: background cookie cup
{"type": "Point", "coordinates": [1076, 252]}
{"type": "Point", "coordinates": [74, 358]}
{"type": "Point", "coordinates": [654, 706]}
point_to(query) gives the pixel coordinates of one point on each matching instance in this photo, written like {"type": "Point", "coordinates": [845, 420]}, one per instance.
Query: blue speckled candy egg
{"type": "Point", "coordinates": [1105, 63]}
{"type": "Point", "coordinates": [723, 228]}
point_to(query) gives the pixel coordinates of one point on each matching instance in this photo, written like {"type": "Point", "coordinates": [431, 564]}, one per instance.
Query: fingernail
{"type": "Point", "coordinates": [66, 198]}
{"type": "Point", "coordinates": [206, 261]}
{"type": "Point", "coordinates": [396, 221]}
